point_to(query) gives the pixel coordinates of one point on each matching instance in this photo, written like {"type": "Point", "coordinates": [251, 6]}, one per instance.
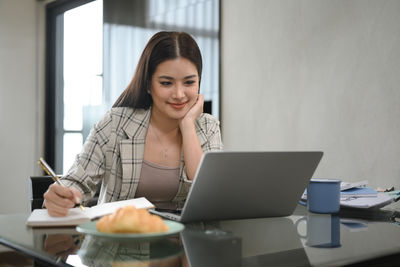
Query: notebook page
{"type": "Point", "coordinates": [40, 217]}
{"type": "Point", "coordinates": [110, 207]}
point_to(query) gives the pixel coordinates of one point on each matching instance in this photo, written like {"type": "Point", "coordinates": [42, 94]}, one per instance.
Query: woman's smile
{"type": "Point", "coordinates": [178, 105]}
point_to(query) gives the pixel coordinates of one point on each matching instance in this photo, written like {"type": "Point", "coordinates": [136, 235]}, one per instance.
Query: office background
{"type": "Point", "coordinates": [295, 75]}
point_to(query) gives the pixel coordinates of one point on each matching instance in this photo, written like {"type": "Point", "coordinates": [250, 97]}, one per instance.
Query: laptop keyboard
{"type": "Point", "coordinates": [168, 215]}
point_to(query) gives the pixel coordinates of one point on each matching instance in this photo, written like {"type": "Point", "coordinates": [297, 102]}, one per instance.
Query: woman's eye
{"type": "Point", "coordinates": [189, 82]}
{"type": "Point", "coordinates": [165, 83]}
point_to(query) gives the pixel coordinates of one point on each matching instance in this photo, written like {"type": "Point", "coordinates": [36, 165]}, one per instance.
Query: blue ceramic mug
{"type": "Point", "coordinates": [323, 196]}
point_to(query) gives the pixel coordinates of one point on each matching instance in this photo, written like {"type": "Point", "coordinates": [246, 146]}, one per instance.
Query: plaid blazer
{"type": "Point", "coordinates": [113, 155]}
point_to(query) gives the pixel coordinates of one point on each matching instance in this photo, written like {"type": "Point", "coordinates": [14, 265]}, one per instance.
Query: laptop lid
{"type": "Point", "coordinates": [239, 185]}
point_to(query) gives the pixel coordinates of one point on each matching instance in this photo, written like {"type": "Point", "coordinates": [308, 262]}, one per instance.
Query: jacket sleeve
{"type": "Point", "coordinates": [89, 166]}
{"type": "Point", "coordinates": [209, 134]}
{"type": "Point", "coordinates": [213, 133]}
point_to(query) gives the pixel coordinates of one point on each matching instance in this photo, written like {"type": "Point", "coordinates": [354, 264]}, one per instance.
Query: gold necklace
{"type": "Point", "coordinates": [165, 150]}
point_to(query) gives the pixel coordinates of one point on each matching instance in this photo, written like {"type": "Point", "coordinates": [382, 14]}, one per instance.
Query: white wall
{"type": "Point", "coordinates": [21, 99]}
{"type": "Point", "coordinates": [315, 75]}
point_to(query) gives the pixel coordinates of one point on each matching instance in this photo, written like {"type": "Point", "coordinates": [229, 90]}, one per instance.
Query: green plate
{"type": "Point", "coordinates": [90, 229]}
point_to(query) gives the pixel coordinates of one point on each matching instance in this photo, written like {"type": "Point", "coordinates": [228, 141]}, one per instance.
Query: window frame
{"type": "Point", "coordinates": [53, 69]}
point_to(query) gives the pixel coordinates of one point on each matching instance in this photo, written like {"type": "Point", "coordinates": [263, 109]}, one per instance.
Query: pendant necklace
{"type": "Point", "coordinates": [165, 150]}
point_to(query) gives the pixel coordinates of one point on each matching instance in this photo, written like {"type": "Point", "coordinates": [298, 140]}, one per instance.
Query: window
{"type": "Point", "coordinates": [77, 42]}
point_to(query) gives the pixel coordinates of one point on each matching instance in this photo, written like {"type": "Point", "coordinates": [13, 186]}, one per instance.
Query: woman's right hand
{"type": "Point", "coordinates": [59, 199]}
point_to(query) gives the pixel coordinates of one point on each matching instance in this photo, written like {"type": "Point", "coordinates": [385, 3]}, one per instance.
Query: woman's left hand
{"type": "Point", "coordinates": [194, 112]}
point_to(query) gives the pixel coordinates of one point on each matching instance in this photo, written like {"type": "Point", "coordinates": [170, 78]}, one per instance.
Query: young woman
{"type": "Point", "coordinates": [151, 142]}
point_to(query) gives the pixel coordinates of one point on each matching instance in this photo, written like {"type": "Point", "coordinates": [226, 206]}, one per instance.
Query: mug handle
{"type": "Point", "coordinates": [297, 227]}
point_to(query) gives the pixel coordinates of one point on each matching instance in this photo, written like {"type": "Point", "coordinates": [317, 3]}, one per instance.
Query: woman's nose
{"type": "Point", "coordinates": [178, 91]}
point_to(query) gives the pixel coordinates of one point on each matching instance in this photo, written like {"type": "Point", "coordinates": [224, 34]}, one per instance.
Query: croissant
{"type": "Point", "coordinates": [131, 220]}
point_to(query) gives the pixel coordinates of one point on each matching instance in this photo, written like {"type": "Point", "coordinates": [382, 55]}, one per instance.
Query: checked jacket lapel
{"type": "Point", "coordinates": [132, 151]}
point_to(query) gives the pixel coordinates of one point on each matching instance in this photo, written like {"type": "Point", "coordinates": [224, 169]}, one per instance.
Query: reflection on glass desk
{"type": "Point", "coordinates": [95, 251]}
{"type": "Point", "coordinates": [303, 239]}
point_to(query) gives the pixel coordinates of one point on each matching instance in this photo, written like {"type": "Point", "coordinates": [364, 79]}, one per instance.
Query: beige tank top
{"type": "Point", "coordinates": [158, 183]}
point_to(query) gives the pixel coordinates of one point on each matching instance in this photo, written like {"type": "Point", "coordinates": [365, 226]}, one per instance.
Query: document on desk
{"type": "Point", "coordinates": [379, 201]}
{"type": "Point", "coordinates": [41, 218]}
{"type": "Point", "coordinates": [358, 192]}
{"type": "Point", "coordinates": [349, 185]}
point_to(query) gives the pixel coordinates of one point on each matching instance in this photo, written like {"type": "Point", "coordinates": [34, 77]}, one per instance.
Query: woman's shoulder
{"type": "Point", "coordinates": [208, 121]}
{"type": "Point", "coordinates": [207, 118]}
{"type": "Point", "coordinates": [120, 116]}
{"type": "Point", "coordinates": [126, 113]}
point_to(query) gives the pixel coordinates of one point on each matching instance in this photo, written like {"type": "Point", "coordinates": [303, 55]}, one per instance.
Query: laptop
{"type": "Point", "coordinates": [240, 185]}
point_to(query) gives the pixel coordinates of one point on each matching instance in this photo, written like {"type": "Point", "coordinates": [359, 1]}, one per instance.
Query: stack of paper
{"type": "Point", "coordinates": [358, 192]}
{"type": "Point", "coordinates": [379, 201]}
{"type": "Point", "coordinates": [347, 185]}
{"type": "Point", "coordinates": [358, 195]}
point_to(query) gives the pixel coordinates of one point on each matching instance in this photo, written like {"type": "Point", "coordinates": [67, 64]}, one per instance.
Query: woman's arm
{"type": "Point", "coordinates": [87, 170]}
{"type": "Point", "coordinates": [191, 146]}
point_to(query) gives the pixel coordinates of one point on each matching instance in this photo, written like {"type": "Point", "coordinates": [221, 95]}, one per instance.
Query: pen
{"type": "Point", "coordinates": [53, 175]}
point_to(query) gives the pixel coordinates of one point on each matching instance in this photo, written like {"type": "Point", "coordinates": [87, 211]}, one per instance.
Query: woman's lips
{"type": "Point", "coordinates": [178, 105]}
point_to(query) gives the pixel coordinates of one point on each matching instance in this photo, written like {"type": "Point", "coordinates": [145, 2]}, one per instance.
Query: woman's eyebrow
{"type": "Point", "coordinates": [171, 78]}
{"type": "Point", "coordinates": [190, 77]}
{"type": "Point", "coordinates": [165, 77]}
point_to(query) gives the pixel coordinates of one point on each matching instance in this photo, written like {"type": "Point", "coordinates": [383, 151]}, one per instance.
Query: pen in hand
{"type": "Point", "coordinates": [53, 175]}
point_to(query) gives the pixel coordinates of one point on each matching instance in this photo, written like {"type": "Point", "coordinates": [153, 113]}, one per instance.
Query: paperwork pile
{"type": "Point", "coordinates": [358, 195]}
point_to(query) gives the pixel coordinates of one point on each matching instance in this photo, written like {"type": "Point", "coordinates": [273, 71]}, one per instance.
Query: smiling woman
{"type": "Point", "coordinates": [151, 142]}
{"type": "Point", "coordinates": [93, 48]}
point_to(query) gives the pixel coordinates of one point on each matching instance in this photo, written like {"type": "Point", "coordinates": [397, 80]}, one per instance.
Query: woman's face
{"type": "Point", "coordinates": [174, 87]}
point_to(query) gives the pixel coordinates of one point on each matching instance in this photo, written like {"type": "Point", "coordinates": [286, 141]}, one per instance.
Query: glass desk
{"type": "Point", "coordinates": [303, 239]}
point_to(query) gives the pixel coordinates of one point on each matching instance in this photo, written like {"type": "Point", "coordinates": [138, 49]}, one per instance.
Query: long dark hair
{"type": "Point", "coordinates": [162, 46]}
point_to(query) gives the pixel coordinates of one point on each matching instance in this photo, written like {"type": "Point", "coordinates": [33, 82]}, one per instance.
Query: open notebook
{"type": "Point", "coordinates": [40, 217]}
